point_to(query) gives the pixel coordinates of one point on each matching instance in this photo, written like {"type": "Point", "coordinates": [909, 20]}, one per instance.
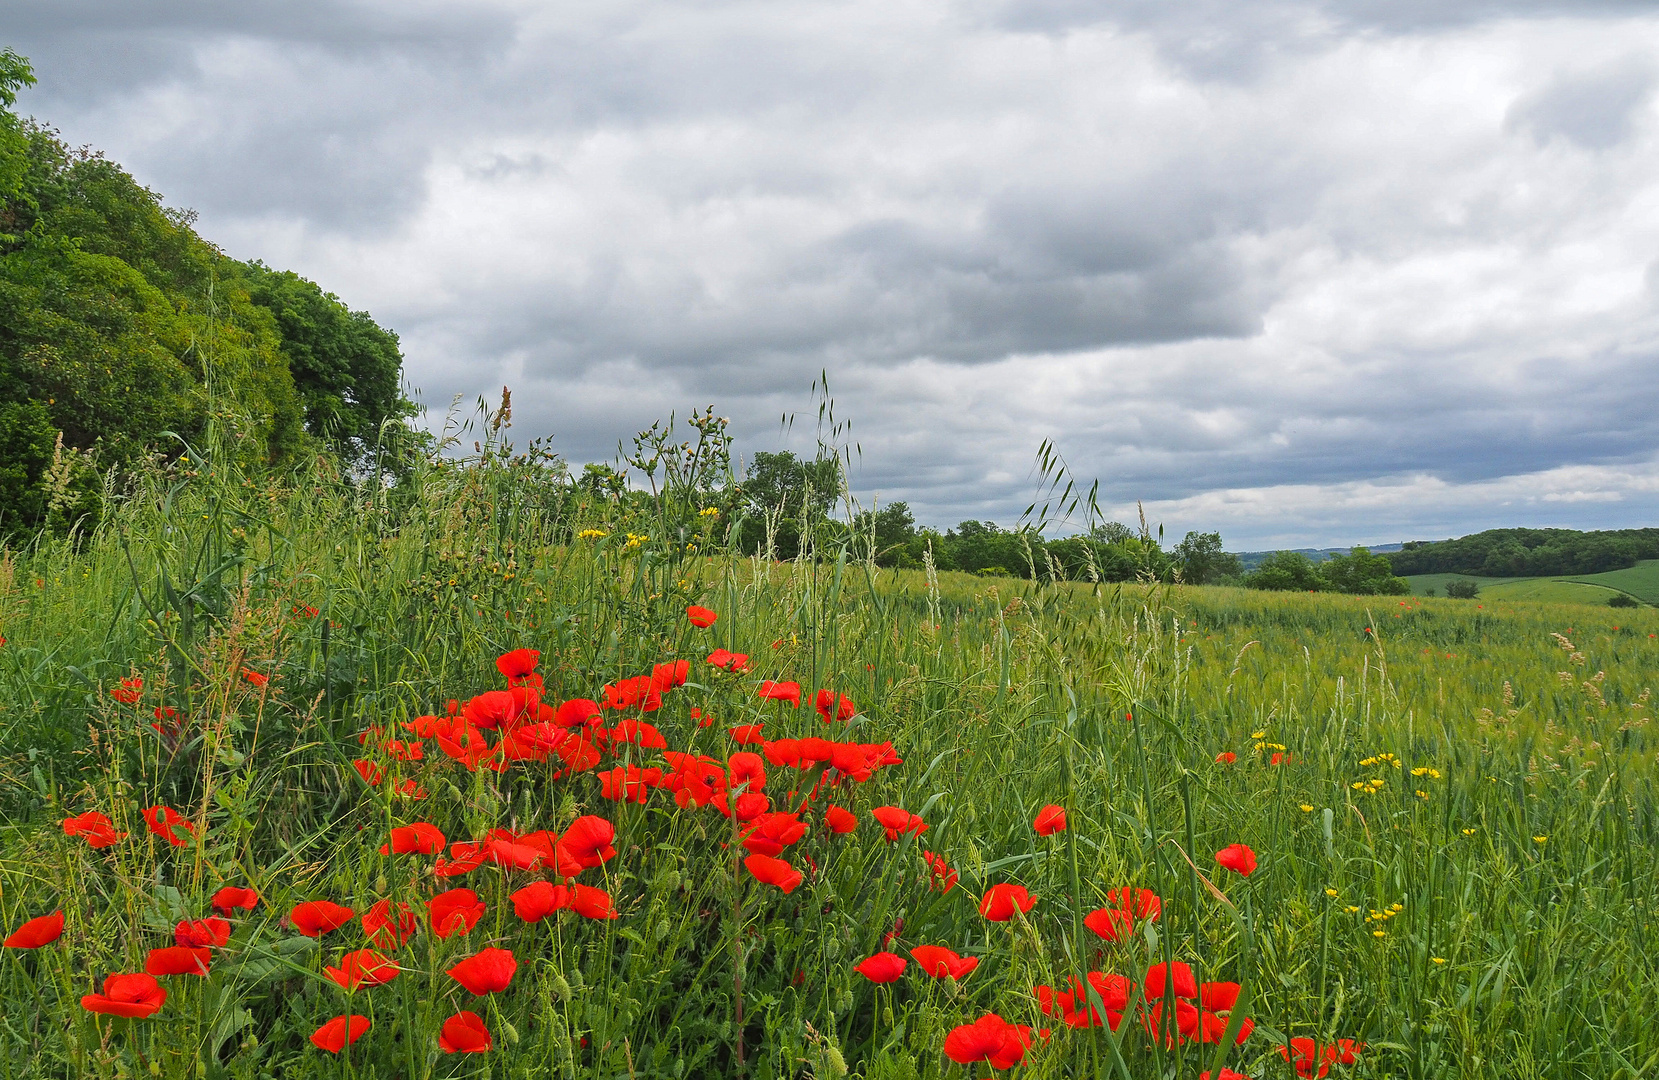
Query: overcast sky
{"type": "Point", "coordinates": [1308, 273]}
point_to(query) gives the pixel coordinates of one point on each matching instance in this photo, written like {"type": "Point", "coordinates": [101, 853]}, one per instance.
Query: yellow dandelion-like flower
{"type": "Point", "coordinates": [1351, 910]}
{"type": "Point", "coordinates": [1379, 933]}
{"type": "Point", "coordinates": [1421, 794]}
{"type": "Point", "coordinates": [1258, 734]}
{"type": "Point", "coordinates": [1438, 959]}
{"type": "Point", "coordinates": [1468, 832]}
{"type": "Point", "coordinates": [1306, 809]}
{"type": "Point", "coordinates": [1331, 893]}
{"type": "Point", "coordinates": [1539, 839]}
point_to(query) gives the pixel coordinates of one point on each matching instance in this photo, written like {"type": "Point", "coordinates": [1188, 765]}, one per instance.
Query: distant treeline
{"type": "Point", "coordinates": [1528, 552]}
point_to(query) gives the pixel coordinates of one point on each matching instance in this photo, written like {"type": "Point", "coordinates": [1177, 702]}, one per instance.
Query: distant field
{"type": "Point", "coordinates": [1640, 581]}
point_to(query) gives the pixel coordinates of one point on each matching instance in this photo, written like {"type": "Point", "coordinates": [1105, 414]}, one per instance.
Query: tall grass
{"type": "Point", "coordinates": [1491, 916]}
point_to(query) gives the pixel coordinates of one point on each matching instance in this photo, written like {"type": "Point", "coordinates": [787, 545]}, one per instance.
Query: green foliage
{"type": "Point", "coordinates": [1286, 571]}
{"type": "Point", "coordinates": [1203, 562]}
{"type": "Point", "coordinates": [784, 500]}
{"type": "Point", "coordinates": [1623, 600]}
{"type": "Point", "coordinates": [1528, 552]}
{"type": "Point", "coordinates": [1462, 590]}
{"type": "Point", "coordinates": [1362, 574]}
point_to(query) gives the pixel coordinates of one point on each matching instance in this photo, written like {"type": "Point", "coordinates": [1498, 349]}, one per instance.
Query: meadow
{"type": "Point", "coordinates": [926, 826]}
{"type": "Point", "coordinates": [1640, 582]}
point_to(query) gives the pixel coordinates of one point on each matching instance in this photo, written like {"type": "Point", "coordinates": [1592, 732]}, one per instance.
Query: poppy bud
{"type": "Point", "coordinates": [561, 989]}
{"type": "Point", "coordinates": [509, 1034]}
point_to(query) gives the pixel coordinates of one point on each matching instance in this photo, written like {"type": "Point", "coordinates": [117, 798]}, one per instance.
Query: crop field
{"type": "Point", "coordinates": [1640, 581]}
{"type": "Point", "coordinates": [464, 777]}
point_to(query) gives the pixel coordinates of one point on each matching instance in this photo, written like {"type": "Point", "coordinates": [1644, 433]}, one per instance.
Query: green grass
{"type": "Point", "coordinates": [1640, 581]}
{"type": "Point", "coordinates": [1512, 847]}
{"type": "Point", "coordinates": [1422, 583]}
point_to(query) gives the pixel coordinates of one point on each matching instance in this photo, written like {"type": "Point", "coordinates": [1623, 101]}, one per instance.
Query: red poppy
{"type": "Point", "coordinates": [1307, 1057]}
{"type": "Point", "coordinates": [832, 706]}
{"type": "Point", "coordinates": [1117, 923]}
{"type": "Point", "coordinates": [770, 871]}
{"type": "Point", "coordinates": [1226, 757]}
{"type": "Point", "coordinates": [735, 662]}
{"type": "Point", "coordinates": [167, 722]}
{"type": "Point", "coordinates": [340, 1032]}
{"type": "Point", "coordinates": [749, 806]}
{"type": "Point", "coordinates": [507, 851]}
{"type": "Point", "coordinates": [630, 783]}
{"type": "Point", "coordinates": [1158, 976]}
{"type": "Point", "coordinates": [254, 677]}
{"type": "Point", "coordinates": [1000, 902]}
{"type": "Point", "coordinates": [170, 825]}
{"type": "Point", "coordinates": [127, 995]}
{"type": "Point", "coordinates": [421, 838]}
{"type": "Point", "coordinates": [940, 962]}
{"type": "Point", "coordinates": [781, 691]}
{"type": "Point", "coordinates": [464, 1033]}
{"type": "Point", "coordinates": [883, 967]}
{"type": "Point", "coordinates": [178, 960]}
{"type": "Point", "coordinates": [317, 917]}
{"type": "Point", "coordinates": [463, 859]}
{"type": "Point", "coordinates": [486, 973]}
{"type": "Point", "coordinates": [577, 712]}
{"type": "Point", "coordinates": [371, 772]}
{"type": "Point", "coordinates": [386, 930]}
{"type": "Point", "coordinates": [1279, 759]}
{"type": "Point", "coordinates": [41, 930]}
{"type": "Point", "coordinates": [1076, 1006]}
{"type": "Point", "coordinates": [362, 967]}
{"type": "Point", "coordinates": [587, 842]}
{"type": "Point", "coordinates": [1238, 858]}
{"type": "Point", "coordinates": [670, 675]}
{"type": "Point", "coordinates": [944, 878]}
{"type": "Point", "coordinates": [489, 710]}
{"type": "Point", "coordinates": [990, 1039]}
{"type": "Point", "coordinates": [516, 664]}
{"type": "Point", "coordinates": [747, 770]}
{"type": "Point", "coordinates": [840, 820]}
{"type": "Point", "coordinates": [898, 821]}
{"type": "Point", "coordinates": [96, 827]}
{"type": "Point", "coordinates": [591, 902]}
{"type": "Point", "coordinates": [702, 721]}
{"type": "Point", "coordinates": [128, 692]}
{"type": "Point", "coordinates": [539, 899]}
{"type": "Point", "coordinates": [747, 733]}
{"type": "Point", "coordinates": [231, 898]}
{"type": "Point", "coordinates": [1050, 820]}
{"type": "Point", "coordinates": [646, 736]}
{"type": "Point", "coordinates": [701, 617]}
{"type": "Point", "coordinates": [410, 789]}
{"type": "Point", "coordinates": [457, 910]}
{"type": "Point", "coordinates": [1224, 1074]}
{"type": "Point", "coordinates": [202, 933]}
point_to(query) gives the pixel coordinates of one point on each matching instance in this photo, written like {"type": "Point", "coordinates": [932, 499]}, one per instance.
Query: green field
{"type": "Point", "coordinates": [1453, 809]}
{"type": "Point", "coordinates": [1640, 581]}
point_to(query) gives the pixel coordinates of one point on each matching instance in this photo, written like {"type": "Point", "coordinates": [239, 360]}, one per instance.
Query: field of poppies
{"type": "Point", "coordinates": [482, 775]}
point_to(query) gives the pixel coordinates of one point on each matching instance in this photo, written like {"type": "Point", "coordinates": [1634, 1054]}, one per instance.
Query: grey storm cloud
{"type": "Point", "coordinates": [1303, 270]}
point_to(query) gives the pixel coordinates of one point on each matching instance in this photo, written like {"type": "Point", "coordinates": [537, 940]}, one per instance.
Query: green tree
{"type": "Point", "coordinates": [1285, 571]}
{"type": "Point", "coordinates": [1364, 574]}
{"type": "Point", "coordinates": [1462, 589]}
{"type": "Point", "coordinates": [1202, 561]}
{"type": "Point", "coordinates": [888, 533]}
{"type": "Point", "coordinates": [784, 497]}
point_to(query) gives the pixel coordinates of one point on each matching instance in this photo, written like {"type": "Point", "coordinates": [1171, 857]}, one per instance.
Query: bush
{"type": "Point", "coordinates": [1462, 590]}
{"type": "Point", "coordinates": [1622, 600]}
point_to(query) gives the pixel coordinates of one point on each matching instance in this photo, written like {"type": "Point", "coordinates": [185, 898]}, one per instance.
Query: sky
{"type": "Point", "coordinates": [1304, 272]}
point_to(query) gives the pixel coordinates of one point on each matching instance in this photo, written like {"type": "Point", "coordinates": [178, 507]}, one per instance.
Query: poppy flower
{"type": "Point", "coordinates": [591, 902]}
{"type": "Point", "coordinates": [897, 821]}
{"type": "Point", "coordinates": [464, 1033]}
{"type": "Point", "coordinates": [644, 735]}
{"type": "Point", "coordinates": [170, 825]}
{"type": "Point", "coordinates": [421, 838]}
{"type": "Point", "coordinates": [539, 899]}
{"type": "Point", "coordinates": [840, 820]}
{"type": "Point", "coordinates": [770, 871]}
{"type": "Point", "coordinates": [516, 664]}
{"type": "Point", "coordinates": [735, 662]}
{"type": "Point", "coordinates": [701, 617]}
{"type": "Point", "coordinates": [387, 929]}
{"type": "Point", "coordinates": [362, 967]}
{"type": "Point", "coordinates": [1000, 902]}
{"type": "Point", "coordinates": [1178, 975]}
{"type": "Point", "coordinates": [1187, 1022]}
{"type": "Point", "coordinates": [702, 721]}
{"type": "Point", "coordinates": [231, 898]}
{"type": "Point", "coordinates": [457, 910]}
{"type": "Point", "coordinates": [127, 995]}
{"type": "Point", "coordinates": [832, 706]}
{"type": "Point", "coordinates": [486, 973]}
{"type": "Point", "coordinates": [781, 691]}
{"type": "Point", "coordinates": [1226, 757]}
{"type": "Point", "coordinates": [769, 834]}
{"type": "Point", "coordinates": [883, 967]}
{"type": "Point", "coordinates": [747, 770]}
{"type": "Point", "coordinates": [578, 712]}
{"type": "Point", "coordinates": [990, 1039]}
{"type": "Point", "coordinates": [339, 1033]}
{"type": "Point", "coordinates": [41, 930]}
{"type": "Point", "coordinates": [1224, 1074]}
{"type": "Point", "coordinates": [128, 692]}
{"type": "Point", "coordinates": [747, 733]}
{"type": "Point", "coordinates": [1306, 1056]}
{"type": "Point", "coordinates": [371, 772]}
{"type": "Point", "coordinates": [1118, 922]}
{"type": "Point", "coordinates": [940, 962]}
{"type": "Point", "coordinates": [463, 859]}
{"type": "Point", "coordinates": [177, 960]}
{"type": "Point", "coordinates": [587, 841]}
{"type": "Point", "coordinates": [167, 721]}
{"type": "Point", "coordinates": [255, 678]}
{"type": "Point", "coordinates": [1238, 858]}
{"type": "Point", "coordinates": [630, 783]}
{"type": "Point", "coordinates": [202, 933]}
{"type": "Point", "coordinates": [670, 675]}
{"type": "Point", "coordinates": [316, 917]}
{"type": "Point", "coordinates": [944, 878]}
{"type": "Point", "coordinates": [1050, 820]}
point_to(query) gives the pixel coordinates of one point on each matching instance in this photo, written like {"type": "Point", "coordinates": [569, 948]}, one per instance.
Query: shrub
{"type": "Point", "coordinates": [1462, 589]}
{"type": "Point", "coordinates": [1622, 600]}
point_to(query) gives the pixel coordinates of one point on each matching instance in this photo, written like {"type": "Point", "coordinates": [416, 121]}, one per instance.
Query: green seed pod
{"type": "Point", "coordinates": [380, 884]}
{"type": "Point", "coordinates": [561, 989]}
{"type": "Point", "coordinates": [837, 1064]}
{"type": "Point", "coordinates": [887, 1016]}
{"type": "Point", "coordinates": [832, 946]}
{"type": "Point", "coordinates": [509, 1034]}
{"type": "Point", "coordinates": [663, 930]}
